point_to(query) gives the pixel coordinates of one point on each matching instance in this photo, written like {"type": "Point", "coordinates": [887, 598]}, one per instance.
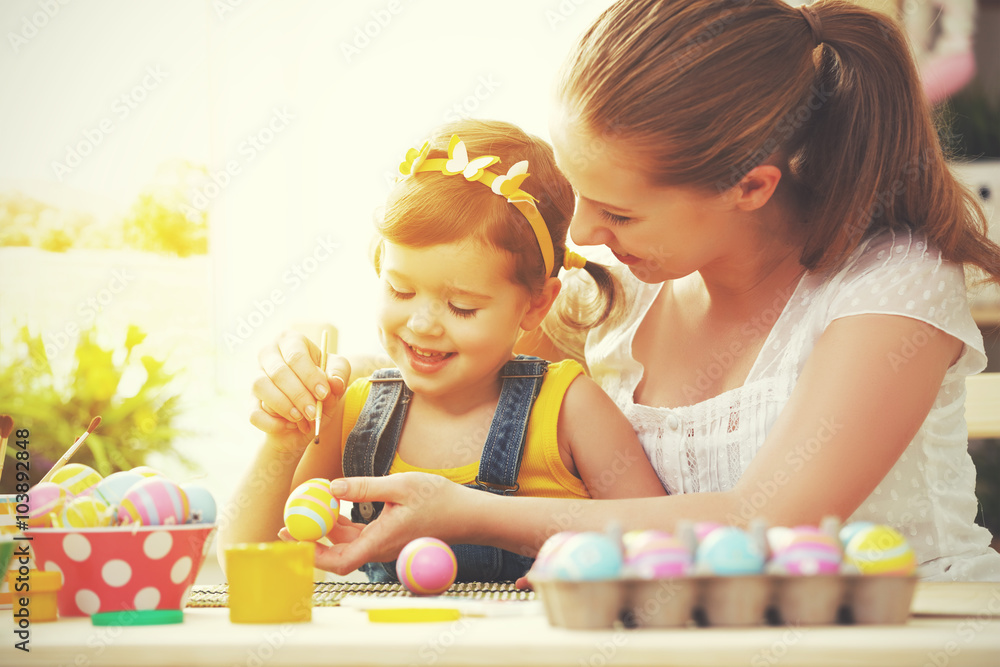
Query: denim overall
{"type": "Point", "coordinates": [371, 447]}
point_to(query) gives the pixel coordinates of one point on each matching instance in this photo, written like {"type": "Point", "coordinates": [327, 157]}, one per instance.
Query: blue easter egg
{"type": "Point", "coordinates": [587, 557]}
{"type": "Point", "coordinates": [729, 551]}
{"type": "Point", "coordinates": [201, 503]}
{"type": "Point", "coordinates": [113, 487]}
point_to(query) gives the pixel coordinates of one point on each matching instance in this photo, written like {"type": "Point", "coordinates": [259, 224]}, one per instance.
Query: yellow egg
{"type": "Point", "coordinates": [76, 478]}
{"type": "Point", "coordinates": [880, 550]}
{"type": "Point", "coordinates": [311, 510]}
{"type": "Point", "coordinates": [86, 512]}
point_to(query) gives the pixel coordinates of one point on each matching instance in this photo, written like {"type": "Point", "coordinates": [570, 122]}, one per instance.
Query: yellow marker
{"type": "Point", "coordinates": [413, 615]}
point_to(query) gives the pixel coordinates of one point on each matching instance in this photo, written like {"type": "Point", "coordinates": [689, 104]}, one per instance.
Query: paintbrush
{"type": "Point", "coordinates": [6, 426]}
{"type": "Point", "coordinates": [72, 450]}
{"type": "Point", "coordinates": [319, 403]}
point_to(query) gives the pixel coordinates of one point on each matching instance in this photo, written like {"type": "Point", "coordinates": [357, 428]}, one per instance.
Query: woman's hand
{"type": "Point", "coordinates": [292, 381]}
{"type": "Point", "coordinates": [416, 505]}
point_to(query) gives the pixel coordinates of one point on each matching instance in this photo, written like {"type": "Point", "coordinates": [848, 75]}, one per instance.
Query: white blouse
{"type": "Point", "coordinates": [928, 495]}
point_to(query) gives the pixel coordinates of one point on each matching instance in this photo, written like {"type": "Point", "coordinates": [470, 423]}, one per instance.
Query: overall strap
{"type": "Point", "coordinates": [371, 445]}
{"type": "Point", "coordinates": [501, 460]}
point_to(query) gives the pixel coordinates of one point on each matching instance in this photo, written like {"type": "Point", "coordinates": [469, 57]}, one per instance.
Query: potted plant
{"type": "Point", "coordinates": [138, 415]}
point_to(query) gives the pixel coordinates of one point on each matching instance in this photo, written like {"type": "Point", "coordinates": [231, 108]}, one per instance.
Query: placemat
{"type": "Point", "coordinates": [329, 593]}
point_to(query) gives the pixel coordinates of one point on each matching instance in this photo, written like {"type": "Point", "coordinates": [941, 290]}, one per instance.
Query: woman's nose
{"type": "Point", "coordinates": [586, 228]}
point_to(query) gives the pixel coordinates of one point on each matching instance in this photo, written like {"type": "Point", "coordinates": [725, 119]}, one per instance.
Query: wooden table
{"type": "Point", "coordinates": [952, 625]}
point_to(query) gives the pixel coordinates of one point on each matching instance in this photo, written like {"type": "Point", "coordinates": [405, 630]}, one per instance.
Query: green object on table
{"type": "Point", "coordinates": [138, 617]}
{"type": "Point", "coordinates": [6, 553]}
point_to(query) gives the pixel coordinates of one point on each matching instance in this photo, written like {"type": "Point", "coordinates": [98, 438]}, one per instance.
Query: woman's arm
{"type": "Point", "coordinates": [598, 443]}
{"type": "Point", "coordinates": [864, 392]}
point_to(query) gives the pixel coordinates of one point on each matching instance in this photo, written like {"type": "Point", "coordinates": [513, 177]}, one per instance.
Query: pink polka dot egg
{"type": "Point", "coordinates": [155, 501]}
{"type": "Point", "coordinates": [655, 554]}
{"type": "Point", "coordinates": [426, 566]}
{"type": "Point", "coordinates": [45, 501]}
{"type": "Point", "coordinates": [311, 510]}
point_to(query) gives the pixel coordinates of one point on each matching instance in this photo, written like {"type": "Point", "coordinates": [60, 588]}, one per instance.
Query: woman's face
{"type": "Point", "coordinates": [660, 232]}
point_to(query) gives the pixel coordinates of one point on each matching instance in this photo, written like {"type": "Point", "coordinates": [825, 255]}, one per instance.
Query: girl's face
{"type": "Point", "coordinates": [661, 233]}
{"type": "Point", "coordinates": [449, 317]}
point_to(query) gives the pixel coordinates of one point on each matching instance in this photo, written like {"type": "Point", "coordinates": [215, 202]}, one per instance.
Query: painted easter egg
{"type": "Point", "coordinates": [86, 512]}
{"type": "Point", "coordinates": [807, 552]}
{"type": "Point", "coordinates": [851, 529]}
{"type": "Point", "coordinates": [587, 556]}
{"type": "Point", "coordinates": [542, 566]}
{"type": "Point", "coordinates": [703, 528]}
{"type": "Point", "coordinates": [426, 566]}
{"type": "Point", "coordinates": [880, 550]}
{"type": "Point", "coordinates": [655, 554]}
{"type": "Point", "coordinates": [112, 488]}
{"type": "Point", "coordinates": [45, 499]}
{"type": "Point", "coordinates": [729, 551]}
{"type": "Point", "coordinates": [155, 501]}
{"type": "Point", "coordinates": [311, 510]}
{"type": "Point", "coordinates": [146, 471]}
{"type": "Point", "coordinates": [76, 478]}
{"type": "Point", "coordinates": [779, 537]}
{"type": "Point", "coordinates": [201, 503]}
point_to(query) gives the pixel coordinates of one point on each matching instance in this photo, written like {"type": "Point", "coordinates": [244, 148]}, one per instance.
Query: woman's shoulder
{"type": "Point", "coordinates": [899, 273]}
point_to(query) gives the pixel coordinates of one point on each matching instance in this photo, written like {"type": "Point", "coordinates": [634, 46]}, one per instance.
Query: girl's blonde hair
{"type": "Point", "coordinates": [702, 91]}
{"type": "Point", "coordinates": [429, 208]}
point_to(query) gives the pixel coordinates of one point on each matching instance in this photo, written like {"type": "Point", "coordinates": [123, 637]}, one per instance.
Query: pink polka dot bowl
{"type": "Point", "coordinates": [122, 568]}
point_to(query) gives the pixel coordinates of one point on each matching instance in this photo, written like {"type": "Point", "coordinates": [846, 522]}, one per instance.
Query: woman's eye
{"type": "Point", "coordinates": [614, 218]}
{"type": "Point", "coordinates": [462, 312]}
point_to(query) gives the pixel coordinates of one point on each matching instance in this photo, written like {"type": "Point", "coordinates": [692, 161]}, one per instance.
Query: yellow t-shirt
{"type": "Point", "coordinates": [542, 471]}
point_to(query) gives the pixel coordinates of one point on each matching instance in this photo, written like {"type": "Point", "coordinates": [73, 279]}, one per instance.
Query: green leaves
{"type": "Point", "coordinates": [138, 418]}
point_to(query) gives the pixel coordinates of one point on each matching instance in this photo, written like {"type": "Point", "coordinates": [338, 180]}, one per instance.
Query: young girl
{"type": "Point", "coordinates": [468, 260]}
{"type": "Point", "coordinates": [770, 179]}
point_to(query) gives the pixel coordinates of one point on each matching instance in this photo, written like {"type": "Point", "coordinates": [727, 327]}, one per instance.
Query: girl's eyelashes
{"type": "Point", "coordinates": [455, 310]}
{"type": "Point", "coordinates": [396, 294]}
{"type": "Point", "coordinates": [462, 312]}
{"type": "Point", "coordinates": [614, 218]}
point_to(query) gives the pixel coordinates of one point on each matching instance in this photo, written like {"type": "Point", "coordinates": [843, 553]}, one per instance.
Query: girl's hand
{"type": "Point", "coordinates": [291, 383]}
{"type": "Point", "coordinates": [416, 505]}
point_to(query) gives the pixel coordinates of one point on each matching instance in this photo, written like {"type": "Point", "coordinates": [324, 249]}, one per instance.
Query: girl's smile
{"type": "Point", "coordinates": [449, 318]}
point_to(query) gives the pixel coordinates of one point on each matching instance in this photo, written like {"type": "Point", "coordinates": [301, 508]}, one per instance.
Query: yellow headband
{"type": "Point", "coordinates": [506, 185]}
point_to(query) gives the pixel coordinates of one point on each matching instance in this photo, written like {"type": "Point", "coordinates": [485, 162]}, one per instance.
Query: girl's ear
{"type": "Point", "coordinates": [540, 304]}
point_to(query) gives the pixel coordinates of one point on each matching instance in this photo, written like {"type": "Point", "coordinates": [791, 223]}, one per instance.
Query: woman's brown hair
{"type": "Point", "coordinates": [703, 91]}
{"type": "Point", "coordinates": [429, 208]}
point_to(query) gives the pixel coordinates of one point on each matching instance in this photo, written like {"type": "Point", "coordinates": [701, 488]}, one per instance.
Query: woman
{"type": "Point", "coordinates": [797, 333]}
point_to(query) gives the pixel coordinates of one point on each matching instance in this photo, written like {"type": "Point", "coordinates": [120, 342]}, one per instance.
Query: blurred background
{"type": "Point", "coordinates": [181, 181]}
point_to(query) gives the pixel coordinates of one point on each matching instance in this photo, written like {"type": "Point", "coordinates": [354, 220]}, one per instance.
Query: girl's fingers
{"type": "Point", "coordinates": [278, 405]}
{"type": "Point", "coordinates": [338, 371]}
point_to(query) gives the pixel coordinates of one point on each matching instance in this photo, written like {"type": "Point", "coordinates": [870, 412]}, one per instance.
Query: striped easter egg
{"type": "Point", "coordinates": [880, 550]}
{"type": "Point", "coordinates": [76, 478]}
{"type": "Point", "coordinates": [155, 501]}
{"type": "Point", "coordinates": [45, 499]}
{"type": "Point", "coordinates": [807, 552]}
{"type": "Point", "coordinates": [426, 566]}
{"type": "Point", "coordinates": [654, 554]}
{"type": "Point", "coordinates": [86, 512]}
{"type": "Point", "coordinates": [311, 510]}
